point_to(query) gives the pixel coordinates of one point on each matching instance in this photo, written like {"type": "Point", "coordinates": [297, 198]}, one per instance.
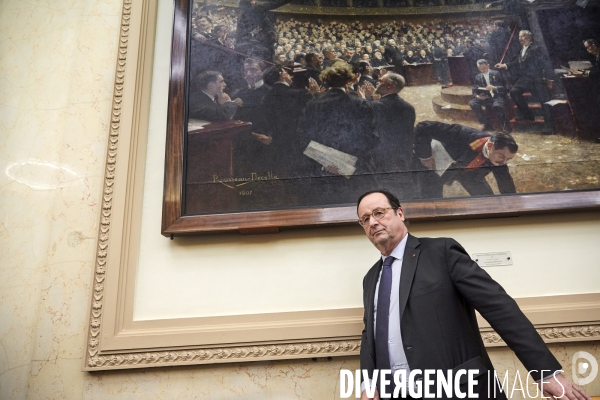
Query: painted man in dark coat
{"type": "Point", "coordinates": [474, 155]}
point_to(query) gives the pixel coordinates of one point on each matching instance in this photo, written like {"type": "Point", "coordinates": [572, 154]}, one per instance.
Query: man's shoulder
{"type": "Point", "coordinates": [201, 97]}
{"type": "Point", "coordinates": [396, 101]}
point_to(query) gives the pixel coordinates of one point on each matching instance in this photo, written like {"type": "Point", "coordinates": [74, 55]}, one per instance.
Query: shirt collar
{"type": "Point", "coordinates": [211, 97]}
{"type": "Point", "coordinates": [282, 83]}
{"type": "Point", "coordinates": [398, 252]}
{"type": "Point", "coordinates": [485, 150]}
{"type": "Point", "coordinates": [256, 85]}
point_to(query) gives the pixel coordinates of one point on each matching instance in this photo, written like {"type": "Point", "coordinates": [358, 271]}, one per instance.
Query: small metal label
{"type": "Point", "coordinates": [493, 259]}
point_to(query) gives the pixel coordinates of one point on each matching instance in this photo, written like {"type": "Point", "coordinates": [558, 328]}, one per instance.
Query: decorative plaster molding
{"type": "Point", "coordinates": [229, 354]}
{"type": "Point", "coordinates": [111, 160]}
{"type": "Point", "coordinates": [299, 350]}
{"type": "Point", "coordinates": [551, 334]}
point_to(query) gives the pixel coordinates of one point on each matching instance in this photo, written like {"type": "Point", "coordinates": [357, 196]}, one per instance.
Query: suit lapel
{"type": "Point", "coordinates": [409, 266]}
{"type": "Point", "coordinates": [372, 285]}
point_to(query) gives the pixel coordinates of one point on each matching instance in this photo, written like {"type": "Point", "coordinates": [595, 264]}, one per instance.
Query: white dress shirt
{"type": "Point", "coordinates": [486, 77]}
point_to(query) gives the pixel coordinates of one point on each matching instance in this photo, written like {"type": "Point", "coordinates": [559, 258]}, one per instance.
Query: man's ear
{"type": "Point", "coordinates": [400, 212]}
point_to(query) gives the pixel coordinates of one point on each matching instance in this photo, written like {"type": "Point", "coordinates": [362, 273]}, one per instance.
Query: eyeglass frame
{"type": "Point", "coordinates": [385, 210]}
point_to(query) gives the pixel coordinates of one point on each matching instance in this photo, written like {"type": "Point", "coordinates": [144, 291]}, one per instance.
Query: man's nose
{"type": "Point", "coordinates": [373, 221]}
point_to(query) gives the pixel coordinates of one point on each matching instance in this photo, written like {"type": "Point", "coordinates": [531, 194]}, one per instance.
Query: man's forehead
{"type": "Point", "coordinates": [373, 201]}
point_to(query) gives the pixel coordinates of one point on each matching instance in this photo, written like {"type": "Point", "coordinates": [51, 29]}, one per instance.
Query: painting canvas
{"type": "Point", "coordinates": [296, 105]}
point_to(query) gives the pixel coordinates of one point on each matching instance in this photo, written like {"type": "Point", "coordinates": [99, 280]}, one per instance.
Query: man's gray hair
{"type": "Point", "coordinates": [526, 33]}
{"type": "Point", "coordinates": [482, 61]}
{"type": "Point", "coordinates": [397, 80]}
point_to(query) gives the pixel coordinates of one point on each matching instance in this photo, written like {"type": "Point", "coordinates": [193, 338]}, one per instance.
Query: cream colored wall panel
{"type": "Point", "coordinates": [323, 268]}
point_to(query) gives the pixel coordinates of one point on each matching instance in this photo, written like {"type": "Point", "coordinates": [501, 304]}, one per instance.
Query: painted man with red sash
{"type": "Point", "coordinates": [464, 154]}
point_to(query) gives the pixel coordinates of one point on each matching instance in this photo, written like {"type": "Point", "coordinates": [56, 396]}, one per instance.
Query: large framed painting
{"type": "Point", "coordinates": [281, 113]}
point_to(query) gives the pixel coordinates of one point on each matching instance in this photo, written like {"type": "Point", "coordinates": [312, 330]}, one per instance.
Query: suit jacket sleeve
{"type": "Point", "coordinates": [501, 84]}
{"type": "Point", "coordinates": [504, 179]}
{"type": "Point", "coordinates": [211, 111]}
{"type": "Point", "coordinates": [366, 358]}
{"type": "Point", "coordinates": [500, 310]}
{"type": "Point", "coordinates": [477, 84]}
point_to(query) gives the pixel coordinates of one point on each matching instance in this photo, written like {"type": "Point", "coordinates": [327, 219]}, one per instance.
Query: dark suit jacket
{"type": "Point", "coordinates": [534, 65]}
{"type": "Point", "coordinates": [440, 289]}
{"type": "Point", "coordinates": [251, 111]}
{"type": "Point", "coordinates": [282, 107]}
{"type": "Point", "coordinates": [456, 139]}
{"type": "Point", "coordinates": [203, 107]}
{"type": "Point", "coordinates": [341, 121]}
{"type": "Point", "coordinates": [395, 121]}
{"type": "Point", "coordinates": [365, 78]}
{"type": "Point", "coordinates": [393, 55]}
{"type": "Point", "coordinates": [594, 73]}
{"type": "Point", "coordinates": [312, 72]}
{"type": "Point", "coordinates": [496, 79]}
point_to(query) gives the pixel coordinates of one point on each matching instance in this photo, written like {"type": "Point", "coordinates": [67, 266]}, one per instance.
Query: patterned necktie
{"type": "Point", "coordinates": [383, 315]}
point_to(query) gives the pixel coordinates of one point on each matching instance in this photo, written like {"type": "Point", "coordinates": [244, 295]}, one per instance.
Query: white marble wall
{"type": "Point", "coordinates": [57, 60]}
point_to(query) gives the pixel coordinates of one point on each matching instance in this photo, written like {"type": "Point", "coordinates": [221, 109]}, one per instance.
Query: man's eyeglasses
{"type": "Point", "coordinates": [377, 213]}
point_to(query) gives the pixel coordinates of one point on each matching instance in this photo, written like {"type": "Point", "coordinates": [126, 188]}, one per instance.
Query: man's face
{"type": "Point", "coordinates": [252, 74]}
{"type": "Point", "coordinates": [591, 48]}
{"type": "Point", "coordinates": [524, 39]}
{"type": "Point", "coordinates": [386, 233]}
{"type": "Point", "coordinates": [285, 77]}
{"type": "Point", "coordinates": [499, 157]}
{"type": "Point", "coordinates": [483, 68]}
{"type": "Point", "coordinates": [204, 24]}
{"type": "Point", "coordinates": [216, 88]}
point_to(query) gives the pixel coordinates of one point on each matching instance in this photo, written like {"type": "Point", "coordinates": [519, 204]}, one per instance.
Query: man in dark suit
{"type": "Point", "coordinates": [394, 56]}
{"type": "Point", "coordinates": [282, 107]}
{"type": "Point", "coordinates": [472, 53]}
{"type": "Point", "coordinates": [345, 123]}
{"type": "Point", "coordinates": [251, 148]}
{"type": "Point", "coordinates": [492, 98]}
{"type": "Point", "coordinates": [440, 63]}
{"type": "Point", "coordinates": [366, 73]}
{"type": "Point", "coordinates": [208, 101]}
{"type": "Point", "coordinates": [420, 299]}
{"type": "Point", "coordinates": [474, 155]}
{"type": "Point", "coordinates": [314, 68]}
{"type": "Point", "coordinates": [394, 123]}
{"type": "Point", "coordinates": [592, 47]}
{"type": "Point", "coordinates": [535, 74]}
